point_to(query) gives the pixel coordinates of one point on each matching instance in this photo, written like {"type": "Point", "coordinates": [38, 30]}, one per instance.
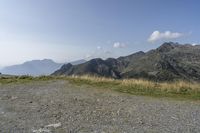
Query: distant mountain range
{"type": "Point", "coordinates": [170, 61]}
{"type": "Point", "coordinates": [35, 67]}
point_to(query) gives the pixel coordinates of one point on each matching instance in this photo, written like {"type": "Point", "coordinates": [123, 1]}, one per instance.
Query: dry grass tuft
{"type": "Point", "coordinates": [143, 87]}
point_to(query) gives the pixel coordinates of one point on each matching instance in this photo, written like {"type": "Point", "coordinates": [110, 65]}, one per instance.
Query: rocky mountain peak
{"type": "Point", "coordinates": [170, 61]}
{"type": "Point", "coordinates": [167, 46]}
{"type": "Point", "coordinates": [67, 66]}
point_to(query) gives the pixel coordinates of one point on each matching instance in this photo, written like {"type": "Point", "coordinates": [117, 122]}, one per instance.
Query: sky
{"type": "Point", "coordinates": [67, 30]}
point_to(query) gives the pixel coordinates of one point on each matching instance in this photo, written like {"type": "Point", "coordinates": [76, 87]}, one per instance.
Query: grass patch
{"type": "Point", "coordinates": [23, 79]}
{"type": "Point", "coordinates": [177, 89]}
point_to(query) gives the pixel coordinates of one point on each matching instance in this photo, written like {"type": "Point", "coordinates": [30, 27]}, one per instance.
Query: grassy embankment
{"type": "Point", "coordinates": [178, 89]}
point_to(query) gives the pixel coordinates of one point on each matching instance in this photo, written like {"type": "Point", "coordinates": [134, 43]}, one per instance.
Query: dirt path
{"type": "Point", "coordinates": [57, 106]}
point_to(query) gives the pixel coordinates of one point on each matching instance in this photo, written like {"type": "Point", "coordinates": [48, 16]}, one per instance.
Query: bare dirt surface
{"type": "Point", "coordinates": [60, 107]}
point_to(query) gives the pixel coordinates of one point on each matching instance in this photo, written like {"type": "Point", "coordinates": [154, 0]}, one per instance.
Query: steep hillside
{"type": "Point", "coordinates": [170, 61]}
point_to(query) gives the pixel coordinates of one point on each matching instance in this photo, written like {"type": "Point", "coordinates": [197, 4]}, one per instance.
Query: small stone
{"type": "Point", "coordinates": [13, 98]}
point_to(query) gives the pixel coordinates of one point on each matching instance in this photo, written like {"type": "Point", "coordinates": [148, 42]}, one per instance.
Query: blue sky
{"type": "Point", "coordinates": [66, 30]}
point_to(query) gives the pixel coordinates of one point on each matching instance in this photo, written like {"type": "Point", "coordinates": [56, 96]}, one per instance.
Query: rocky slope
{"type": "Point", "coordinates": [170, 61]}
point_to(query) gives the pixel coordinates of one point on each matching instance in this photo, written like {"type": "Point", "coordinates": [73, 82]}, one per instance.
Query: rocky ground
{"type": "Point", "coordinates": [60, 107]}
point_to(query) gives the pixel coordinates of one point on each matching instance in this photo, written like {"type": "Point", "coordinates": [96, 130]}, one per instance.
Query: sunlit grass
{"type": "Point", "coordinates": [176, 89]}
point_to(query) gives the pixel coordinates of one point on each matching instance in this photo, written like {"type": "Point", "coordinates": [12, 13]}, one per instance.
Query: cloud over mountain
{"type": "Point", "coordinates": [167, 35]}
{"type": "Point", "coordinates": [119, 45]}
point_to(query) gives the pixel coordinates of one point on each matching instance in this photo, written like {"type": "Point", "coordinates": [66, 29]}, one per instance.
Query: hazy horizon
{"type": "Point", "coordinates": [41, 60]}
{"type": "Point", "coordinates": [68, 30]}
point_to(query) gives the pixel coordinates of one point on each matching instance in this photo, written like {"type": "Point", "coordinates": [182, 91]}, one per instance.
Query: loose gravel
{"type": "Point", "coordinates": [60, 107]}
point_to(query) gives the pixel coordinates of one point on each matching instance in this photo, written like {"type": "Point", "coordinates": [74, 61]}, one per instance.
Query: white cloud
{"type": "Point", "coordinates": [88, 56]}
{"type": "Point", "coordinates": [194, 44]}
{"type": "Point", "coordinates": [156, 36]}
{"type": "Point", "coordinates": [119, 45]}
{"type": "Point", "coordinates": [99, 47]}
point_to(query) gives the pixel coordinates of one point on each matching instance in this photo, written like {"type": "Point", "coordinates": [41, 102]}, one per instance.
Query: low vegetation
{"type": "Point", "coordinates": [23, 79]}
{"type": "Point", "coordinates": [177, 89]}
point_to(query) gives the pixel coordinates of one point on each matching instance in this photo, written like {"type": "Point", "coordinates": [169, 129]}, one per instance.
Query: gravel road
{"type": "Point", "coordinates": [60, 107]}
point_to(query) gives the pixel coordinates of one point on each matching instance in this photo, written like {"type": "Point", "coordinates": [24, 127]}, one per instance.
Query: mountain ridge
{"type": "Point", "coordinates": [170, 61]}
